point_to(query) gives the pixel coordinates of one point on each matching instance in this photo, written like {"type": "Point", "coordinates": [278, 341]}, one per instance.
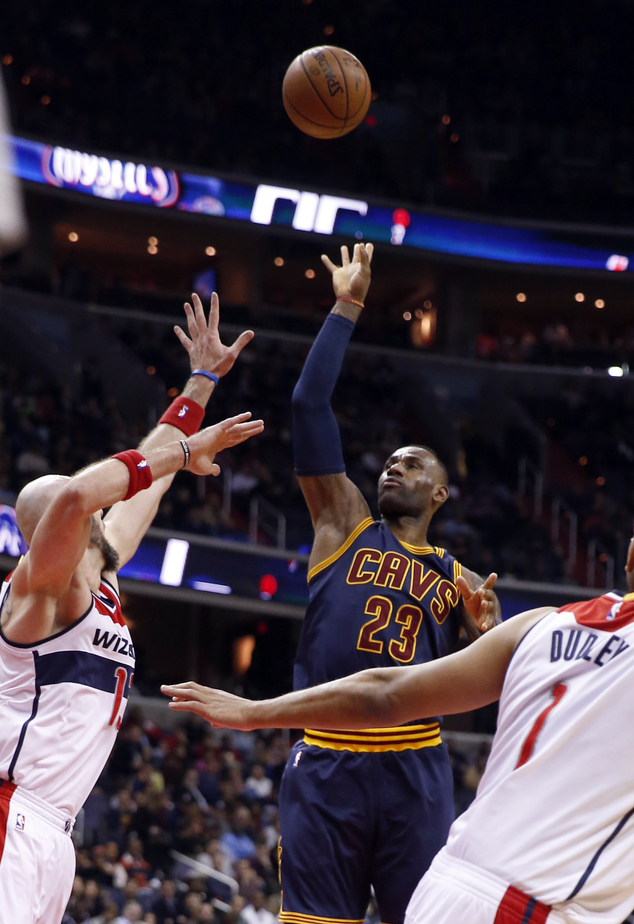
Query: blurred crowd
{"type": "Point", "coordinates": [183, 826]}
{"type": "Point", "coordinates": [489, 107]}
{"type": "Point", "coordinates": [558, 344]}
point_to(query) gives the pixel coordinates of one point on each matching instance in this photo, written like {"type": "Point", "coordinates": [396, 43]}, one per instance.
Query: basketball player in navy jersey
{"type": "Point", "coordinates": [66, 656]}
{"type": "Point", "coordinates": [373, 807]}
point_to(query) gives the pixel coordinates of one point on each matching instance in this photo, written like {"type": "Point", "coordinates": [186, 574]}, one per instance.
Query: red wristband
{"type": "Point", "coordinates": [351, 301]}
{"type": "Point", "coordinates": [140, 471]}
{"type": "Point", "coordinates": [185, 414]}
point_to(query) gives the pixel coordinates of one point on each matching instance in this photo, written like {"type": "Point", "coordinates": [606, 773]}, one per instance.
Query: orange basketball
{"type": "Point", "coordinates": [326, 92]}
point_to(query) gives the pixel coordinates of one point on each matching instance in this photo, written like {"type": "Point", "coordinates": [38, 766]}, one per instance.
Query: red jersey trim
{"type": "Point", "coordinates": [606, 613]}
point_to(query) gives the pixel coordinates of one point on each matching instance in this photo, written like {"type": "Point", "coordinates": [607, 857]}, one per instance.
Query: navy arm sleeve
{"type": "Point", "coordinates": [316, 439]}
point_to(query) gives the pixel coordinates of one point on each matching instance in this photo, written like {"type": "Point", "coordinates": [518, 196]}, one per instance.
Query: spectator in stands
{"type": "Point", "coordinates": [258, 785]}
{"type": "Point", "coordinates": [165, 907]}
{"type": "Point", "coordinates": [131, 914]}
{"type": "Point", "coordinates": [256, 911]}
{"type": "Point", "coordinates": [237, 841]}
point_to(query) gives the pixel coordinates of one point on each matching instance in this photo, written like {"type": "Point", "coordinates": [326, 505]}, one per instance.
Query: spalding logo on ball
{"type": "Point", "coordinates": [326, 92]}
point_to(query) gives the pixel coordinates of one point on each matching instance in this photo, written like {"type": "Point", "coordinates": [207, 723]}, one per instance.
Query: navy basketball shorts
{"type": "Point", "coordinates": [351, 821]}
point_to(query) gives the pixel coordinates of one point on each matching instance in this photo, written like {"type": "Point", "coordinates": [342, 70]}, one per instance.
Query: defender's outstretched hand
{"type": "Point", "coordinates": [203, 446]}
{"type": "Point", "coordinates": [220, 709]}
{"type": "Point", "coordinates": [206, 350]}
{"type": "Point", "coordinates": [481, 603]}
{"type": "Point", "coordinates": [352, 278]}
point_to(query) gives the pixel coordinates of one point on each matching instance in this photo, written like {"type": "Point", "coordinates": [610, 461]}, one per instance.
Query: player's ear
{"type": "Point", "coordinates": [440, 494]}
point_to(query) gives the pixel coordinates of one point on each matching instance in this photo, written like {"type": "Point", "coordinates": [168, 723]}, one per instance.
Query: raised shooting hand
{"type": "Point", "coordinates": [352, 278]}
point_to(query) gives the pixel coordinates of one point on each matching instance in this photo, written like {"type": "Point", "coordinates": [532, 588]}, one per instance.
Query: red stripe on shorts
{"type": "Point", "coordinates": [6, 791]}
{"type": "Point", "coordinates": [518, 908]}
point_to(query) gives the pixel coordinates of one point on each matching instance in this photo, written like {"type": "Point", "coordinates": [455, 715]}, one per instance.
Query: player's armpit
{"type": "Point", "coordinates": [336, 507]}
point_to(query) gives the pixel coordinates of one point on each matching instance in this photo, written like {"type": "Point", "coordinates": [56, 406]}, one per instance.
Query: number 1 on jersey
{"type": "Point", "coordinates": [528, 747]}
{"type": "Point", "coordinates": [122, 675]}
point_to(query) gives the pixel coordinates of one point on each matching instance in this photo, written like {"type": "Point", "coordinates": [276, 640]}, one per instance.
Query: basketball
{"type": "Point", "coordinates": [326, 92]}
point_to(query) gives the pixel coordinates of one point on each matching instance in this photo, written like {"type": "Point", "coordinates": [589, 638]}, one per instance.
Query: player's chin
{"type": "Point", "coordinates": [393, 504]}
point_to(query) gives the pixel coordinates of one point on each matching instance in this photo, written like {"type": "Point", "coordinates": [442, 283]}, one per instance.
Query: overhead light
{"type": "Point", "coordinates": [152, 248]}
{"type": "Point", "coordinates": [580, 297]}
{"type": "Point", "coordinates": [521, 296]}
{"type": "Point", "coordinates": [427, 304]}
{"type": "Point", "coordinates": [210, 251]}
{"type": "Point", "coordinates": [599, 303]}
{"type": "Point", "coordinates": [310, 274]}
{"type": "Point", "coordinates": [279, 261]}
{"type": "Point", "coordinates": [616, 371]}
{"type": "Point", "coordinates": [446, 120]}
{"type": "Point", "coordinates": [73, 237]}
{"type": "Point", "coordinates": [153, 241]}
{"type": "Point", "coordinates": [407, 315]}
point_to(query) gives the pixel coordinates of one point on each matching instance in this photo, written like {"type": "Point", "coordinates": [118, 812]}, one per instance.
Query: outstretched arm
{"type": "Point", "coordinates": [378, 698]}
{"type": "Point", "coordinates": [336, 505]}
{"type": "Point", "coordinates": [61, 537]}
{"type": "Point", "coordinates": [127, 523]}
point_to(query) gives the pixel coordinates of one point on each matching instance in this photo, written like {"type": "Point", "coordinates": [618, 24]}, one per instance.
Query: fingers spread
{"type": "Point", "coordinates": [490, 581]}
{"type": "Point", "coordinates": [200, 312]}
{"type": "Point", "coordinates": [345, 257]}
{"type": "Point", "coordinates": [369, 249]}
{"type": "Point", "coordinates": [464, 588]}
{"type": "Point", "coordinates": [214, 311]}
{"type": "Point", "coordinates": [182, 336]}
{"type": "Point", "coordinates": [191, 320]}
{"type": "Point", "coordinates": [330, 266]}
{"type": "Point", "coordinates": [244, 338]}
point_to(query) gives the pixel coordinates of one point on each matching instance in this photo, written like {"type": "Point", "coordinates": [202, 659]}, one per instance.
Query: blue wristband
{"type": "Point", "coordinates": [208, 375]}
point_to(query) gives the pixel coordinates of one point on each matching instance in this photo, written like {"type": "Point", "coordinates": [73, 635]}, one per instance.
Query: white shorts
{"type": "Point", "coordinates": [37, 858]}
{"type": "Point", "coordinates": [453, 891]}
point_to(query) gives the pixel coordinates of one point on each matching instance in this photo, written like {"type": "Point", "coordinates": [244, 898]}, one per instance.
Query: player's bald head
{"type": "Point", "coordinates": [33, 500]}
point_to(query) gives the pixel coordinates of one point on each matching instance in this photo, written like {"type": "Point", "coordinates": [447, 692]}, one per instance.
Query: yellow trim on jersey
{"type": "Point", "coordinates": [420, 549]}
{"type": "Point", "coordinates": [295, 917]}
{"type": "Point", "coordinates": [376, 740]}
{"type": "Point", "coordinates": [457, 570]}
{"type": "Point", "coordinates": [344, 548]}
{"type": "Point", "coordinates": [628, 597]}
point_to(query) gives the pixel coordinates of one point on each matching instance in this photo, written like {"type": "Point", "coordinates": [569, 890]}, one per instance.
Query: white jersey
{"type": "Point", "coordinates": [554, 812]}
{"type": "Point", "coordinates": [62, 701]}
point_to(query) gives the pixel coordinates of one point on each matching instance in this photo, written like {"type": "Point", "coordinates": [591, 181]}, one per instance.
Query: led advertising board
{"type": "Point", "coordinates": [305, 211]}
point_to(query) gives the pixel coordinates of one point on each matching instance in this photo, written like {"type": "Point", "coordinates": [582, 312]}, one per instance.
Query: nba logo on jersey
{"type": "Point", "coordinates": [614, 611]}
{"type": "Point", "coordinates": [183, 411]}
{"type": "Point", "coordinates": [20, 821]}
{"type": "Point", "coordinates": [298, 757]}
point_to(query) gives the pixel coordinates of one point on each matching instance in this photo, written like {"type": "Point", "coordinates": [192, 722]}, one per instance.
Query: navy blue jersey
{"type": "Point", "coordinates": [377, 602]}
